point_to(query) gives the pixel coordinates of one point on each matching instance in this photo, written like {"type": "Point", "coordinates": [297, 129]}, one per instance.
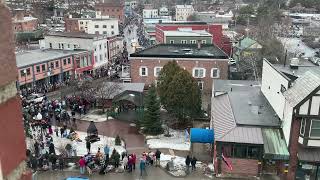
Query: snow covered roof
{"type": "Point", "coordinates": [186, 32]}
{"type": "Point", "coordinates": [136, 87]}
{"type": "Point", "coordinates": [184, 6]}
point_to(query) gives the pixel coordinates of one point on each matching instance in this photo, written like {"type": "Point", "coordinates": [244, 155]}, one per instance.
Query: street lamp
{"type": "Point", "coordinates": [25, 77]}
{"type": "Point", "coordinates": [49, 74]}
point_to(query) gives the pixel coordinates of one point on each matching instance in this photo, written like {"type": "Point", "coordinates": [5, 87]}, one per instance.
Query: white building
{"type": "Point", "coordinates": [293, 91]}
{"type": "Point", "coordinates": [102, 25]}
{"type": "Point", "coordinates": [150, 13]}
{"type": "Point", "coordinates": [163, 11]}
{"type": "Point", "coordinates": [108, 27]}
{"type": "Point", "coordinates": [183, 12]}
{"type": "Point", "coordinates": [103, 48]}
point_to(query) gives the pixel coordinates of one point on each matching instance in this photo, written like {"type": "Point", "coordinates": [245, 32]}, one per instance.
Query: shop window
{"type": "Point", "coordinates": [240, 151]}
{"type": "Point", "coordinates": [22, 73]}
{"type": "Point", "coordinates": [43, 67]}
{"type": "Point", "coordinates": [253, 152]}
{"type": "Point", "coordinates": [38, 69]}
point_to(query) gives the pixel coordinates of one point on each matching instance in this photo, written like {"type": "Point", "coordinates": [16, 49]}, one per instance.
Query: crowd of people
{"type": "Point", "coordinates": [101, 162]}
{"type": "Point", "coordinates": [39, 119]}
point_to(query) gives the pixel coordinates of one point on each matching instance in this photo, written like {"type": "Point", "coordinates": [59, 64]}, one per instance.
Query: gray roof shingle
{"type": "Point", "coordinates": [302, 87]}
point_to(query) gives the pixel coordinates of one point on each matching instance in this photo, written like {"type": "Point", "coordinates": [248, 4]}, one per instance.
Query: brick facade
{"type": "Point", "coordinates": [242, 167]}
{"type": "Point", "coordinates": [188, 64]}
{"type": "Point", "coordinates": [71, 25]}
{"type": "Point", "coordinates": [12, 139]}
{"type": "Point", "coordinates": [25, 26]}
{"type": "Point", "coordinates": [293, 148]}
{"type": "Point", "coordinates": [113, 10]}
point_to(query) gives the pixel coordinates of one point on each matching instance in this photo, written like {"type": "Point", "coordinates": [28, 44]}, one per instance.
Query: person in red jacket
{"type": "Point", "coordinates": [82, 164]}
{"type": "Point", "coordinates": [134, 159]}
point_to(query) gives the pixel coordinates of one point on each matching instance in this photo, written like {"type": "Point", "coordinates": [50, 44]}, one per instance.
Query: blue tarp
{"type": "Point", "coordinates": [77, 178]}
{"type": "Point", "coordinates": [198, 135]}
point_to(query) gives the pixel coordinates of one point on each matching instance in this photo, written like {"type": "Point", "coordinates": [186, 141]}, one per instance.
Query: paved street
{"type": "Point", "coordinates": [130, 37]}
{"type": "Point", "coordinates": [112, 128]}
{"type": "Point", "coordinates": [153, 174]}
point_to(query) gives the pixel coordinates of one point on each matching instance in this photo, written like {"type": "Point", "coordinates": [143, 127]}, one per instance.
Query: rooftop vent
{"type": "Point", "coordinates": [294, 63]}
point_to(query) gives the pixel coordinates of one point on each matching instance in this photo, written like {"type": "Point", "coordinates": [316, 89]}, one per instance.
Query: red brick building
{"type": "Point", "coordinates": [71, 25]}
{"type": "Point", "coordinates": [12, 139]}
{"type": "Point", "coordinates": [204, 62]}
{"type": "Point", "coordinates": [215, 30]}
{"type": "Point", "coordinates": [111, 8]}
{"type": "Point", "coordinates": [24, 24]}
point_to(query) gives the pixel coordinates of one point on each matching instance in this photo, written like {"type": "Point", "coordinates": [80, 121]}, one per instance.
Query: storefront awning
{"type": "Point", "coordinates": [275, 147]}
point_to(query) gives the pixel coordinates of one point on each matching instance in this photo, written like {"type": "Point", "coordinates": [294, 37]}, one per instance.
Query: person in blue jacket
{"type": "Point", "coordinates": [142, 166]}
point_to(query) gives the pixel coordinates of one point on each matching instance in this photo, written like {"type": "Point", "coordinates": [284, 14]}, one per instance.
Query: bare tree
{"type": "Point", "coordinates": [105, 91]}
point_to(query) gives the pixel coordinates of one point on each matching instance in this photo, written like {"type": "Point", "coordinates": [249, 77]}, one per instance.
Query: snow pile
{"type": "Point", "coordinates": [179, 165]}
{"type": "Point", "coordinates": [211, 167]}
{"type": "Point", "coordinates": [80, 146]}
{"type": "Point", "coordinates": [177, 141]}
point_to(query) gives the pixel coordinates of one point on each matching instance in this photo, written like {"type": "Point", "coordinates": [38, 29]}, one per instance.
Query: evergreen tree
{"type": "Point", "coordinates": [184, 97]}
{"type": "Point", "coordinates": [151, 121]}
{"type": "Point", "coordinates": [179, 92]}
{"type": "Point", "coordinates": [117, 141]}
{"type": "Point", "coordinates": [165, 77]}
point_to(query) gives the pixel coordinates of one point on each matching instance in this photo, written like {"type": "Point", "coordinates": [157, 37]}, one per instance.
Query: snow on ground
{"type": "Point", "coordinates": [177, 141]}
{"type": "Point", "coordinates": [295, 45]}
{"type": "Point", "coordinates": [80, 146]}
{"type": "Point", "coordinates": [95, 118]}
{"type": "Point", "coordinates": [92, 117]}
{"type": "Point", "coordinates": [178, 163]}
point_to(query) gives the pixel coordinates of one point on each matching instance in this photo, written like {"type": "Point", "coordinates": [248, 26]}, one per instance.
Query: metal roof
{"type": "Point", "coordinates": [302, 87]}
{"type": "Point", "coordinates": [222, 116]}
{"type": "Point", "coordinates": [246, 43]}
{"type": "Point", "coordinates": [247, 135]}
{"type": "Point", "coordinates": [27, 58]}
{"type": "Point", "coordinates": [275, 147]}
{"type": "Point", "coordinates": [225, 127]}
{"type": "Point", "coordinates": [135, 87]}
